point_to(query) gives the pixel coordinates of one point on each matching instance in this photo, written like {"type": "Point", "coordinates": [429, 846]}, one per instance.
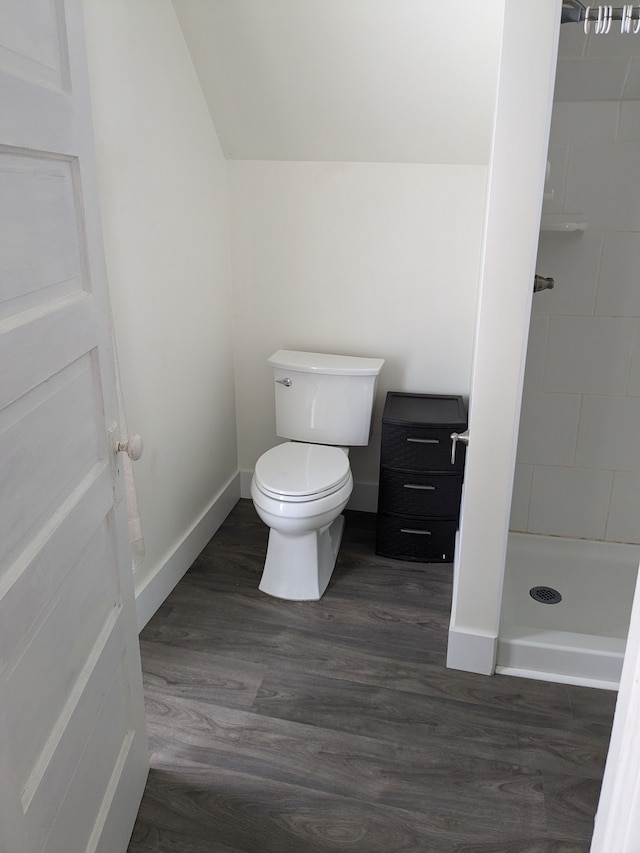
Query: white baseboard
{"type": "Point", "coordinates": [159, 584]}
{"type": "Point", "coordinates": [472, 652]}
{"type": "Point", "coordinates": [364, 497]}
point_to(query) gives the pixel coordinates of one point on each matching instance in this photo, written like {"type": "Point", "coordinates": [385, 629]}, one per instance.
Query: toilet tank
{"type": "Point", "coordinates": [324, 399]}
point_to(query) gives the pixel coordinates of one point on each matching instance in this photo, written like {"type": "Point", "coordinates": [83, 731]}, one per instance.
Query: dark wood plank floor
{"type": "Point", "coordinates": [286, 727]}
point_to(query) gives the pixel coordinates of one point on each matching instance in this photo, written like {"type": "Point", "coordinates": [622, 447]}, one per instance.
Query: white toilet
{"type": "Point", "coordinates": [299, 489]}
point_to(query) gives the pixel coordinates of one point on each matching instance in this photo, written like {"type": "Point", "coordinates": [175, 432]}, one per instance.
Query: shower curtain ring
{"type": "Point", "coordinates": [609, 17]}
{"type": "Point", "coordinates": [587, 22]}
{"type": "Point", "coordinates": [636, 28]}
{"type": "Point", "coordinates": [599, 21]}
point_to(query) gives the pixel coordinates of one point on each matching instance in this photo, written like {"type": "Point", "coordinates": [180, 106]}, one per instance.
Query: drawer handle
{"type": "Point", "coordinates": [418, 486]}
{"type": "Point", "coordinates": [424, 440]}
{"type": "Point", "coordinates": [416, 532]}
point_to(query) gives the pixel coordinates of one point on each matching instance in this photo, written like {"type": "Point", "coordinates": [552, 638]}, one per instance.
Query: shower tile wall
{"type": "Point", "coordinates": [578, 463]}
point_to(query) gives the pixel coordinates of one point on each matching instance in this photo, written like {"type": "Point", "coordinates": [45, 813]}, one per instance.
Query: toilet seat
{"type": "Point", "coordinates": [296, 471]}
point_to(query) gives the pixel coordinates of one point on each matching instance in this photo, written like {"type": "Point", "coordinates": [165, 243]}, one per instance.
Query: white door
{"type": "Point", "coordinates": [73, 751]}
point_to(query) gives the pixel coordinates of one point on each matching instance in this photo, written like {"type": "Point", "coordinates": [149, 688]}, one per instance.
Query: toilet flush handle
{"type": "Point", "coordinates": [455, 438]}
{"type": "Point", "coordinates": [286, 381]}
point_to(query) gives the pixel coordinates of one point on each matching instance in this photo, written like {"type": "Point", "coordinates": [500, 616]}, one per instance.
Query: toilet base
{"type": "Point", "coordinates": [299, 568]}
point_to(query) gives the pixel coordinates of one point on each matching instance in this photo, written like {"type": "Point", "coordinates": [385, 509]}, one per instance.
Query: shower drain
{"type": "Point", "coordinates": [545, 594]}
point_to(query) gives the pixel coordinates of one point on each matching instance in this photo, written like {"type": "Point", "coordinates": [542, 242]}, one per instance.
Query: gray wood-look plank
{"type": "Point", "coordinates": [290, 727]}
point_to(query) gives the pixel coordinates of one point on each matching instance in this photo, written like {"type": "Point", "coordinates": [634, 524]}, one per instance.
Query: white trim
{"type": "Point", "coordinates": [364, 497]}
{"type": "Point", "coordinates": [158, 586]}
{"type": "Point", "coordinates": [617, 825]}
{"type": "Point", "coordinates": [556, 678]}
{"type": "Point", "coordinates": [472, 651]}
{"type": "Point", "coordinates": [589, 658]}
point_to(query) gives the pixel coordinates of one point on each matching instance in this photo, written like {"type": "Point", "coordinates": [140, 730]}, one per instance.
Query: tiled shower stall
{"type": "Point", "coordinates": [578, 461]}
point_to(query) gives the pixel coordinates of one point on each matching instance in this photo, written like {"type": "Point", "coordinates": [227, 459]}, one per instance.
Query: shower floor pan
{"type": "Point", "coordinates": [580, 639]}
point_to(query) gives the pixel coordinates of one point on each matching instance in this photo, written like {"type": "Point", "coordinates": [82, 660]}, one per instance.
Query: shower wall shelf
{"type": "Point", "coordinates": [563, 222]}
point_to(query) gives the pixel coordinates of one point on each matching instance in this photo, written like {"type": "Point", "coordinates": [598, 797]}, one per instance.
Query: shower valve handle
{"type": "Point", "coordinates": [455, 438]}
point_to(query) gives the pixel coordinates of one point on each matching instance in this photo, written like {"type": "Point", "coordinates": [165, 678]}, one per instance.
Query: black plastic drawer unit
{"type": "Point", "coordinates": [420, 487]}
{"type": "Point", "coordinates": [408, 538]}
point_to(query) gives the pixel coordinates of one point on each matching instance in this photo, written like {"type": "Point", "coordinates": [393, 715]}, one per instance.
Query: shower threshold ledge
{"type": "Point", "coordinates": [561, 656]}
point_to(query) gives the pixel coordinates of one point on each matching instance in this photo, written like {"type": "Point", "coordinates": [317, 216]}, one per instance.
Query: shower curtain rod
{"type": "Point", "coordinates": [574, 12]}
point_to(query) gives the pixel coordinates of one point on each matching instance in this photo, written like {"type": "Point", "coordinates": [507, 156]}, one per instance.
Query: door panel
{"type": "Point", "coordinates": [72, 737]}
{"type": "Point", "coordinates": [25, 594]}
{"type": "Point", "coordinates": [61, 401]}
{"type": "Point", "coordinates": [31, 38]}
{"type": "Point", "coordinates": [40, 213]}
{"type": "Point", "coordinates": [49, 649]}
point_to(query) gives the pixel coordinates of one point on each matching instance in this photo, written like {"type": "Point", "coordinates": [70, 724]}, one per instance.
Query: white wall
{"type": "Point", "coordinates": [578, 471]}
{"type": "Point", "coordinates": [355, 258]}
{"type": "Point", "coordinates": [163, 193]}
{"type": "Point", "coordinates": [358, 136]}
{"type": "Point", "coordinates": [529, 49]}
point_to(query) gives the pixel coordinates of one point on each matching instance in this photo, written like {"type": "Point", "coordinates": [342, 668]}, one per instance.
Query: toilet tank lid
{"type": "Point", "coordinates": [312, 362]}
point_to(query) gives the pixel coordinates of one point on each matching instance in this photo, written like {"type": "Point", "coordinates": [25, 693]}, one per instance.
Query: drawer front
{"type": "Point", "coordinates": [423, 540]}
{"type": "Point", "coordinates": [419, 449]}
{"type": "Point", "coordinates": [419, 494]}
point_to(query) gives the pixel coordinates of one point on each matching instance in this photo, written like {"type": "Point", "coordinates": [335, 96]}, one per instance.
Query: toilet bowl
{"type": "Point", "coordinates": [323, 405]}
{"type": "Point", "coordinates": [299, 491]}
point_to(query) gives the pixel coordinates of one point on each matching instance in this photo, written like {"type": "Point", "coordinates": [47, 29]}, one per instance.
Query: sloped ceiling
{"type": "Point", "coordinates": [406, 81]}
